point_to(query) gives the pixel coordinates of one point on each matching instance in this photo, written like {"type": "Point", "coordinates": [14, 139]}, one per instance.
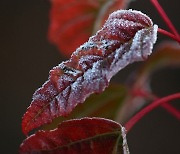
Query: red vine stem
{"type": "Point", "coordinates": [168, 107]}
{"type": "Point", "coordinates": [165, 17]}
{"type": "Point", "coordinates": [172, 110]}
{"type": "Point", "coordinates": [149, 108]}
{"type": "Point", "coordinates": [164, 32]}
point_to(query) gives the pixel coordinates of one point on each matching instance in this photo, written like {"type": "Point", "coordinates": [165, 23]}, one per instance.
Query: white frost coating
{"type": "Point", "coordinates": [125, 145]}
{"type": "Point", "coordinates": [68, 70]}
{"type": "Point", "coordinates": [115, 47]}
{"type": "Point", "coordinates": [99, 69]}
{"type": "Point", "coordinates": [85, 46]}
{"type": "Point", "coordinates": [121, 23]}
{"type": "Point", "coordinates": [120, 60]}
{"type": "Point", "coordinates": [41, 96]}
{"type": "Point", "coordinates": [106, 43]}
{"type": "Point", "coordinates": [103, 70]}
{"type": "Point", "coordinates": [143, 42]}
{"type": "Point", "coordinates": [139, 50]}
{"type": "Point", "coordinates": [129, 12]}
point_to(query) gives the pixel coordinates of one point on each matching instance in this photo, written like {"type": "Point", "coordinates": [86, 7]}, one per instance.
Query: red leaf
{"type": "Point", "coordinates": [71, 21]}
{"type": "Point", "coordinates": [88, 135]}
{"type": "Point", "coordinates": [127, 36]}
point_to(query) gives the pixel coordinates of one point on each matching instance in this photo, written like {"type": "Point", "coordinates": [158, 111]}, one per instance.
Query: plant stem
{"type": "Point", "coordinates": [172, 110]}
{"type": "Point", "coordinates": [168, 107]}
{"type": "Point", "coordinates": [149, 108]}
{"type": "Point", "coordinates": [165, 17]}
{"type": "Point", "coordinates": [164, 32]}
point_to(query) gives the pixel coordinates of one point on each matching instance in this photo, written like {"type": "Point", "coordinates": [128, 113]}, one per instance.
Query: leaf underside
{"type": "Point", "coordinates": [87, 135]}
{"type": "Point", "coordinates": [72, 22]}
{"type": "Point", "coordinates": [126, 37]}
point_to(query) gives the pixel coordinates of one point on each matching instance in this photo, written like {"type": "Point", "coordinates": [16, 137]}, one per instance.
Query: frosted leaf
{"type": "Point", "coordinates": [126, 37]}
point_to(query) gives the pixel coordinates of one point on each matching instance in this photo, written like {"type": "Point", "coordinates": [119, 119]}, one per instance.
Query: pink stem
{"type": "Point", "coordinates": [164, 32]}
{"type": "Point", "coordinates": [172, 110]}
{"type": "Point", "coordinates": [149, 108]}
{"type": "Point", "coordinates": [165, 18]}
{"type": "Point", "coordinates": [168, 107]}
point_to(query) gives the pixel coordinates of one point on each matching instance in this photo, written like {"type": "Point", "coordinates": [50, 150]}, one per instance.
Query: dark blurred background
{"type": "Point", "coordinates": [26, 57]}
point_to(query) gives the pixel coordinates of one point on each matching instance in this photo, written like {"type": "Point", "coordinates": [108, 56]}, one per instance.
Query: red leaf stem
{"type": "Point", "coordinates": [149, 108]}
{"type": "Point", "coordinates": [168, 107]}
{"type": "Point", "coordinates": [172, 110]}
{"type": "Point", "coordinates": [165, 17]}
{"type": "Point", "coordinates": [164, 32]}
